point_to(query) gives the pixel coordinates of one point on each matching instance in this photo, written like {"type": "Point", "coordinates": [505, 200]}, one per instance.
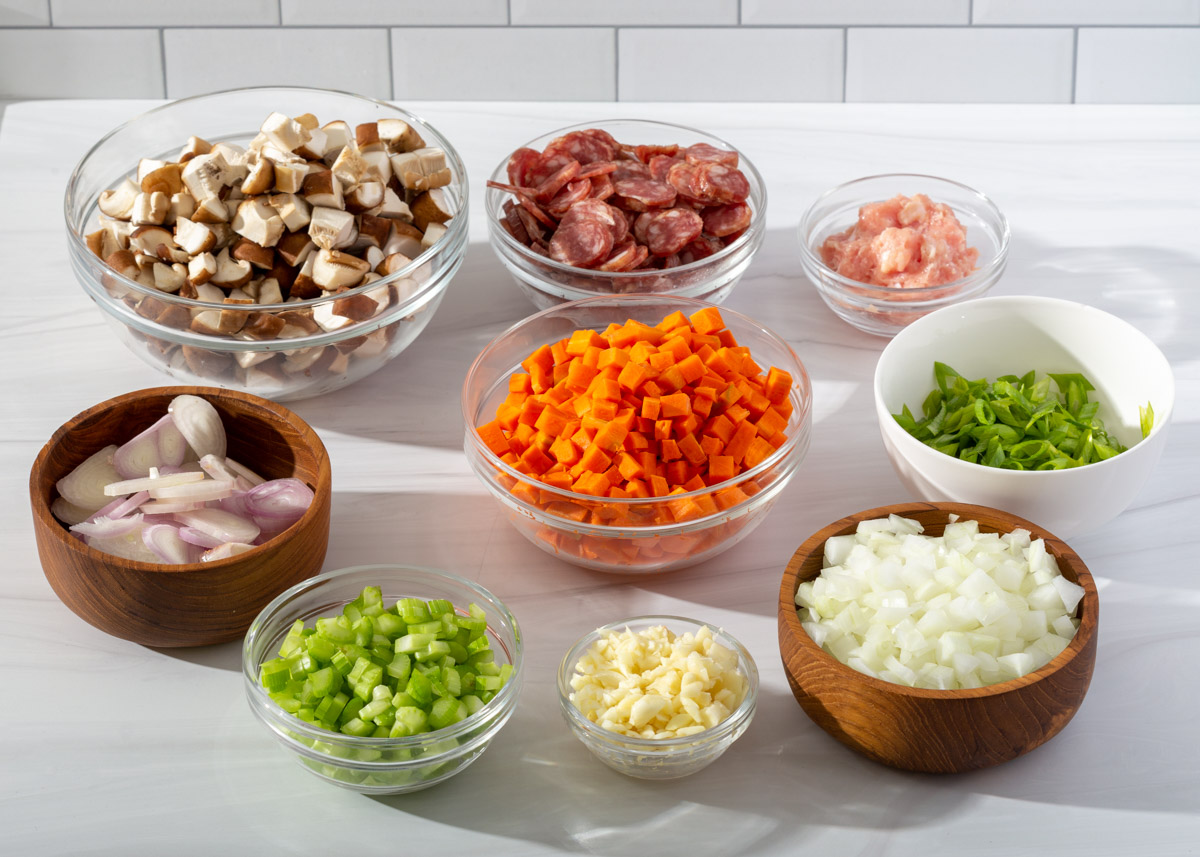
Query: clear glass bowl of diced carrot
{"type": "Point", "coordinates": [636, 434]}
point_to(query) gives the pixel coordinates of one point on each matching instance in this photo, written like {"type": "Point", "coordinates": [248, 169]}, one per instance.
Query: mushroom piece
{"type": "Point", "coordinates": [433, 234]}
{"type": "Point", "coordinates": [364, 197]}
{"type": "Point", "coordinates": [323, 188]}
{"type": "Point", "coordinates": [169, 278]}
{"type": "Point", "coordinates": [245, 250]}
{"type": "Point", "coordinates": [373, 231]}
{"type": "Point", "coordinates": [124, 263]}
{"type": "Point", "coordinates": [337, 136]}
{"type": "Point", "coordinates": [293, 210]}
{"type": "Point", "coordinates": [314, 147]}
{"type": "Point", "coordinates": [379, 165]}
{"type": "Point", "coordinates": [194, 238]}
{"type": "Point", "coordinates": [366, 137]}
{"type": "Point", "coordinates": [231, 272]}
{"type": "Point", "coordinates": [334, 270]}
{"type": "Point", "coordinates": [394, 208]}
{"type": "Point", "coordinates": [392, 263]}
{"type": "Point", "coordinates": [118, 202]}
{"type": "Point", "coordinates": [421, 169]}
{"type": "Point", "coordinates": [398, 134]}
{"type": "Point", "coordinates": [289, 177]}
{"type": "Point", "coordinates": [166, 178]}
{"type": "Point", "coordinates": [182, 205]}
{"type": "Point", "coordinates": [260, 179]}
{"type": "Point", "coordinates": [263, 325]}
{"type": "Point", "coordinates": [307, 121]}
{"type": "Point", "coordinates": [350, 166]}
{"type": "Point", "coordinates": [304, 286]}
{"type": "Point", "coordinates": [205, 176]}
{"type": "Point", "coordinates": [147, 239]}
{"type": "Point", "coordinates": [432, 206]}
{"type": "Point", "coordinates": [331, 229]}
{"type": "Point", "coordinates": [150, 208]}
{"type": "Point", "coordinates": [258, 221]}
{"type": "Point", "coordinates": [283, 132]}
{"type": "Point", "coordinates": [269, 291]}
{"type": "Point", "coordinates": [405, 239]}
{"type": "Point", "coordinates": [194, 146]}
{"type": "Point", "coordinates": [201, 268]}
{"type": "Point", "coordinates": [102, 243]}
{"type": "Point", "coordinates": [211, 210]}
{"type": "Point", "coordinates": [294, 248]}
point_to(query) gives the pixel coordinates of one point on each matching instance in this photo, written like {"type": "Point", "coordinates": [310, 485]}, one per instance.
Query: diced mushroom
{"type": "Point", "coordinates": [284, 132]}
{"type": "Point", "coordinates": [231, 272]}
{"type": "Point", "coordinates": [118, 202]}
{"type": "Point", "coordinates": [364, 196]}
{"type": "Point", "coordinates": [366, 136]}
{"type": "Point", "coordinates": [124, 263]}
{"type": "Point", "coordinates": [245, 250]}
{"type": "Point", "coordinates": [194, 146]}
{"type": "Point", "coordinates": [205, 362]}
{"type": "Point", "coordinates": [314, 147]}
{"type": "Point", "coordinates": [433, 234]}
{"type": "Point", "coordinates": [246, 359]}
{"type": "Point", "coordinates": [289, 177]}
{"type": "Point", "coordinates": [211, 210]}
{"type": "Point", "coordinates": [297, 324]}
{"type": "Point", "coordinates": [331, 229]}
{"type": "Point", "coordinates": [294, 248]}
{"type": "Point", "coordinates": [205, 176]}
{"type": "Point", "coordinates": [392, 263]}
{"type": "Point", "coordinates": [202, 268]}
{"type": "Point", "coordinates": [373, 231]}
{"type": "Point", "coordinates": [356, 307]}
{"type": "Point", "coordinates": [236, 158]}
{"type": "Point", "coordinates": [182, 205]}
{"type": "Point", "coordinates": [405, 239]}
{"type": "Point", "coordinates": [260, 179]}
{"type": "Point", "coordinates": [258, 221]}
{"type": "Point", "coordinates": [307, 121]}
{"type": "Point", "coordinates": [166, 178]}
{"type": "Point", "coordinates": [293, 210]}
{"type": "Point", "coordinates": [337, 136]}
{"type": "Point", "coordinates": [146, 239]}
{"type": "Point", "coordinates": [263, 325]}
{"type": "Point", "coordinates": [421, 169]}
{"type": "Point", "coordinates": [399, 135]}
{"type": "Point", "coordinates": [150, 208]}
{"type": "Point", "coordinates": [379, 165]}
{"type": "Point", "coordinates": [350, 166]}
{"type": "Point", "coordinates": [394, 208]}
{"type": "Point", "coordinates": [194, 238]}
{"type": "Point", "coordinates": [304, 286]}
{"type": "Point", "coordinates": [432, 206]}
{"type": "Point", "coordinates": [145, 167]}
{"type": "Point", "coordinates": [102, 243]}
{"type": "Point", "coordinates": [169, 278]}
{"type": "Point", "coordinates": [269, 292]}
{"type": "Point", "coordinates": [333, 270]}
{"type": "Point", "coordinates": [233, 320]}
{"type": "Point", "coordinates": [207, 322]}
{"type": "Point", "coordinates": [323, 188]}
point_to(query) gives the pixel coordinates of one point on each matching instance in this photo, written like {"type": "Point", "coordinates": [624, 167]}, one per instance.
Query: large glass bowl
{"type": "Point", "coordinates": [648, 758]}
{"type": "Point", "coordinates": [154, 324]}
{"type": "Point", "coordinates": [884, 310]}
{"type": "Point", "coordinates": [381, 765]}
{"type": "Point", "coordinates": [548, 283]}
{"type": "Point", "coordinates": [552, 522]}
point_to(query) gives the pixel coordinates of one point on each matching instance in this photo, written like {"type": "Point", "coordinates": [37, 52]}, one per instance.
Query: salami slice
{"type": "Point", "coordinates": [703, 153]}
{"type": "Point", "coordinates": [640, 225]}
{"type": "Point", "coordinates": [726, 219]}
{"type": "Point", "coordinates": [622, 258]}
{"type": "Point", "coordinates": [512, 219]}
{"type": "Point", "coordinates": [520, 163]}
{"type": "Point", "coordinates": [547, 190]}
{"type": "Point", "coordinates": [671, 230]}
{"type": "Point", "coordinates": [631, 170]}
{"type": "Point", "coordinates": [584, 243]}
{"type": "Point", "coordinates": [602, 187]}
{"type": "Point", "coordinates": [532, 226]}
{"type": "Point", "coordinates": [546, 167]}
{"type": "Point", "coordinates": [568, 196]}
{"type": "Point", "coordinates": [601, 134]}
{"type": "Point", "coordinates": [583, 147]}
{"type": "Point", "coordinates": [660, 166]}
{"type": "Point", "coordinates": [589, 209]}
{"type": "Point", "coordinates": [703, 247]}
{"type": "Point", "coordinates": [527, 204]}
{"type": "Point", "coordinates": [645, 153]}
{"type": "Point", "coordinates": [724, 184]}
{"type": "Point", "coordinates": [682, 176]}
{"type": "Point", "coordinates": [599, 168]}
{"type": "Point", "coordinates": [643, 194]}
{"type": "Point", "coordinates": [620, 226]}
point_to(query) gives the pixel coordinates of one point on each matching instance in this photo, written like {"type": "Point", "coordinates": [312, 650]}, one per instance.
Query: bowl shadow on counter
{"type": "Point", "coordinates": [760, 796]}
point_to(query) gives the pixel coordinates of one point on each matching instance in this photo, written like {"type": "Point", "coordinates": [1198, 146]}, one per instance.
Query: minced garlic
{"type": "Point", "coordinates": [655, 684]}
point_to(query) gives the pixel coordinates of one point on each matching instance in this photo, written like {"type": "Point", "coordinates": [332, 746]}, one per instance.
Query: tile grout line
{"type": "Point", "coordinates": [49, 13]}
{"type": "Point", "coordinates": [845, 59]}
{"type": "Point", "coordinates": [391, 66]}
{"type": "Point", "coordinates": [616, 63]}
{"type": "Point", "coordinates": [1074, 62]}
{"type": "Point", "coordinates": [279, 11]}
{"type": "Point", "coordinates": [674, 26]}
{"type": "Point", "coordinates": [970, 12]}
{"type": "Point", "coordinates": [162, 57]}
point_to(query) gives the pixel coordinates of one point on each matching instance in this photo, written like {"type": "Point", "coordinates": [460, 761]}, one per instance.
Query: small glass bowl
{"type": "Point", "coordinates": [628, 545]}
{"type": "Point", "coordinates": [647, 758]}
{"type": "Point", "coordinates": [883, 310]}
{"type": "Point", "coordinates": [381, 765]}
{"type": "Point", "coordinates": [548, 283]}
{"type": "Point", "coordinates": [155, 325]}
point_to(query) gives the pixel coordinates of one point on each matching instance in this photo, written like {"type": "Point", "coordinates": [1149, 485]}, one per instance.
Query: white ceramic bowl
{"type": "Point", "coordinates": [1011, 335]}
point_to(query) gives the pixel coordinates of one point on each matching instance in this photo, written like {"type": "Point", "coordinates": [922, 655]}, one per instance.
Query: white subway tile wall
{"type": "Point", "coordinates": [1148, 65]}
{"type": "Point", "coordinates": [24, 13]}
{"type": "Point", "coordinates": [959, 64]}
{"type": "Point", "coordinates": [504, 63]}
{"type": "Point", "coordinates": [206, 59]}
{"type": "Point", "coordinates": [755, 64]}
{"type": "Point", "coordinates": [1094, 51]}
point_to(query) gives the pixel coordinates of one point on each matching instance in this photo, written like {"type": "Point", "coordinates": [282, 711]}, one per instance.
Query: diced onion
{"type": "Point", "coordinates": [964, 609]}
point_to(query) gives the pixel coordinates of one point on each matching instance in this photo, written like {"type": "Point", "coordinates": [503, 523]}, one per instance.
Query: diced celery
{"type": "Point", "coordinates": [438, 606]}
{"type": "Point", "coordinates": [364, 631]}
{"type": "Point", "coordinates": [341, 662]}
{"type": "Point", "coordinates": [479, 644]}
{"type": "Point", "coordinates": [452, 681]}
{"type": "Point", "coordinates": [371, 595]}
{"type": "Point", "coordinates": [351, 710]}
{"type": "Point", "coordinates": [360, 667]}
{"type": "Point", "coordinates": [331, 708]}
{"type": "Point", "coordinates": [473, 703]}
{"type": "Point", "coordinates": [506, 671]}
{"type": "Point", "coordinates": [435, 649]}
{"type": "Point", "coordinates": [399, 668]}
{"type": "Point", "coordinates": [471, 623]}
{"type": "Point", "coordinates": [374, 708]}
{"type": "Point", "coordinates": [386, 717]}
{"type": "Point", "coordinates": [335, 629]}
{"type": "Point", "coordinates": [352, 612]}
{"type": "Point", "coordinates": [409, 721]}
{"type": "Point", "coordinates": [274, 674]}
{"type": "Point", "coordinates": [477, 612]}
{"type": "Point", "coordinates": [308, 696]}
{"type": "Point", "coordinates": [432, 628]}
{"type": "Point", "coordinates": [446, 711]}
{"type": "Point", "coordinates": [286, 701]}
{"type": "Point", "coordinates": [488, 667]}
{"type": "Point", "coordinates": [307, 714]}
{"type": "Point", "coordinates": [402, 699]}
{"type": "Point", "coordinates": [301, 664]}
{"type": "Point", "coordinates": [382, 654]}
{"type": "Point", "coordinates": [321, 648]}
{"type": "Point", "coordinates": [390, 625]}
{"type": "Point", "coordinates": [412, 610]}
{"type": "Point", "coordinates": [411, 642]}
{"type": "Point", "coordinates": [326, 681]}
{"type": "Point", "coordinates": [294, 638]}
{"type": "Point", "coordinates": [371, 678]}
{"type": "Point", "coordinates": [489, 682]}
{"type": "Point", "coordinates": [419, 688]}
{"type": "Point", "coordinates": [381, 732]}
{"type": "Point", "coordinates": [358, 728]}
{"type": "Point", "coordinates": [458, 652]}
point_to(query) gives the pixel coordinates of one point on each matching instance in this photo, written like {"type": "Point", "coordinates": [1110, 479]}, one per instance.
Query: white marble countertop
{"type": "Point", "coordinates": [111, 748]}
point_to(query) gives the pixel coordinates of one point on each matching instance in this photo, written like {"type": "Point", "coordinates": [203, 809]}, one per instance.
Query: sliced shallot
{"type": "Point", "coordinates": [196, 492]}
{"type": "Point", "coordinates": [193, 536]}
{"type": "Point", "coordinates": [225, 551]}
{"type": "Point", "coordinates": [200, 423]}
{"type": "Point", "coordinates": [220, 524]}
{"type": "Point", "coordinates": [151, 483]}
{"type": "Point", "coordinates": [160, 445]}
{"type": "Point", "coordinates": [84, 486]}
{"type": "Point", "coordinates": [105, 528]}
{"type": "Point", "coordinates": [164, 541]}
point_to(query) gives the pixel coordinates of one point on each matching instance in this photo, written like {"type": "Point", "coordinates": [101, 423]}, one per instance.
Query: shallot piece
{"type": "Point", "coordinates": [105, 528]}
{"type": "Point", "coordinates": [165, 542]}
{"type": "Point", "coordinates": [68, 512]}
{"type": "Point", "coordinates": [193, 536]}
{"type": "Point", "coordinates": [84, 486]}
{"type": "Point", "coordinates": [128, 546]}
{"type": "Point", "coordinates": [195, 492]}
{"type": "Point", "coordinates": [225, 551]}
{"type": "Point", "coordinates": [278, 504]}
{"type": "Point", "coordinates": [161, 445]}
{"type": "Point", "coordinates": [200, 423]}
{"type": "Point", "coordinates": [222, 525]}
{"type": "Point", "coordinates": [152, 483]}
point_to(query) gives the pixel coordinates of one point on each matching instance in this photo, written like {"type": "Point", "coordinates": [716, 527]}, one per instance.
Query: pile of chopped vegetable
{"type": "Point", "coordinates": [1016, 423]}
{"type": "Point", "coordinates": [171, 494]}
{"type": "Point", "coordinates": [964, 609]}
{"type": "Point", "coordinates": [377, 672]}
{"type": "Point", "coordinates": [641, 412]}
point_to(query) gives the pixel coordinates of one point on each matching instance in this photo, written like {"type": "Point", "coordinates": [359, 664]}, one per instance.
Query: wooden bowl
{"type": "Point", "coordinates": [199, 603]}
{"type": "Point", "coordinates": [936, 731]}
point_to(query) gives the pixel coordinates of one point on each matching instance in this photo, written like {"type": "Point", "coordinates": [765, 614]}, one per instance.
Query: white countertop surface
{"type": "Point", "coordinates": [107, 747]}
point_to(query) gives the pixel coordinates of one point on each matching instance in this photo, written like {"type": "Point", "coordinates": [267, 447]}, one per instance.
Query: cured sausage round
{"type": "Point", "coordinates": [670, 231]}
{"type": "Point", "coordinates": [643, 194]}
{"type": "Point", "coordinates": [726, 219]}
{"type": "Point", "coordinates": [582, 243]}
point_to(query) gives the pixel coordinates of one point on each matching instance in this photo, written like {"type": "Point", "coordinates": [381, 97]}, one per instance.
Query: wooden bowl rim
{"type": "Point", "coordinates": [51, 524]}
{"type": "Point", "coordinates": [1088, 614]}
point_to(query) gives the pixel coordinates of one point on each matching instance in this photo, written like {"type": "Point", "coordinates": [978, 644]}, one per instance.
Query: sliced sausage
{"type": "Point", "coordinates": [583, 243]}
{"type": "Point", "coordinates": [672, 230]}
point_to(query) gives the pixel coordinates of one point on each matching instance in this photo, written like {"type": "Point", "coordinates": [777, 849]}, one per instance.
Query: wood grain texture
{"type": "Point", "coordinates": [182, 605]}
{"type": "Point", "coordinates": [936, 731]}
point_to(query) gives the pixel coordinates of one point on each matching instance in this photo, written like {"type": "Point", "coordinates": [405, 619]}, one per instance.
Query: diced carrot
{"type": "Point", "coordinates": [658, 486]}
{"type": "Point", "coordinates": [613, 475]}
{"type": "Point", "coordinates": [671, 379]}
{"type": "Point", "coordinates": [610, 437]}
{"type": "Point", "coordinates": [559, 393]}
{"type": "Point", "coordinates": [668, 450]}
{"type": "Point", "coordinates": [552, 420]}
{"type": "Point", "coordinates": [594, 459]}
{"type": "Point", "coordinates": [721, 467]}
{"type": "Point", "coordinates": [674, 320]}
{"type": "Point", "coordinates": [770, 423]}
{"type": "Point", "coordinates": [651, 407]}
{"type": "Point", "coordinates": [677, 472]}
{"type": "Point", "coordinates": [565, 451]}
{"type": "Point", "coordinates": [580, 375]}
{"type": "Point", "coordinates": [757, 405]}
{"type": "Point", "coordinates": [618, 493]}
{"type": "Point", "coordinates": [690, 447]}
{"type": "Point", "coordinates": [694, 483]}
{"type": "Point", "coordinates": [686, 425]}
{"type": "Point", "coordinates": [660, 361]}
{"type": "Point", "coordinates": [633, 375]}
{"type": "Point", "coordinates": [726, 338]}
{"type": "Point", "coordinates": [737, 413]}
{"type": "Point", "coordinates": [527, 492]}
{"type": "Point", "coordinates": [618, 357]}
{"type": "Point", "coordinates": [581, 340]}
{"type": "Point", "coordinates": [559, 351]}
{"type": "Point", "coordinates": [702, 407]}
{"type": "Point", "coordinates": [560, 479]}
{"type": "Point", "coordinates": [721, 427]}
{"type": "Point", "coordinates": [649, 462]}
{"type": "Point", "coordinates": [536, 459]}
{"type": "Point", "coordinates": [520, 383]}
{"type": "Point", "coordinates": [636, 441]}
{"type": "Point", "coordinates": [777, 440]}
{"type": "Point", "coordinates": [592, 423]}
{"type": "Point", "coordinates": [583, 406]}
{"type": "Point", "coordinates": [560, 371]}
{"type": "Point", "coordinates": [629, 466]}
{"type": "Point", "coordinates": [662, 429]}
{"type": "Point", "coordinates": [507, 416]}
{"type": "Point", "coordinates": [677, 347]}
{"type": "Point", "coordinates": [492, 435]}
{"type": "Point", "coordinates": [706, 504]}
{"type": "Point", "coordinates": [727, 397]}
{"type": "Point", "coordinates": [542, 356]}
{"type": "Point", "coordinates": [684, 509]}
{"type": "Point", "coordinates": [711, 445]}
{"type": "Point", "coordinates": [604, 409]}
{"type": "Point", "coordinates": [651, 388]}
{"type": "Point", "coordinates": [675, 405]}
{"type": "Point", "coordinates": [595, 484]}
{"type": "Point", "coordinates": [760, 450]}
{"type": "Point", "coordinates": [740, 443]}
{"type": "Point", "coordinates": [691, 368]}
{"type": "Point", "coordinates": [707, 320]}
{"type": "Point", "coordinates": [637, 488]}
{"type": "Point", "coordinates": [730, 497]}
{"type": "Point", "coordinates": [540, 379]}
{"type": "Point", "coordinates": [778, 386]}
